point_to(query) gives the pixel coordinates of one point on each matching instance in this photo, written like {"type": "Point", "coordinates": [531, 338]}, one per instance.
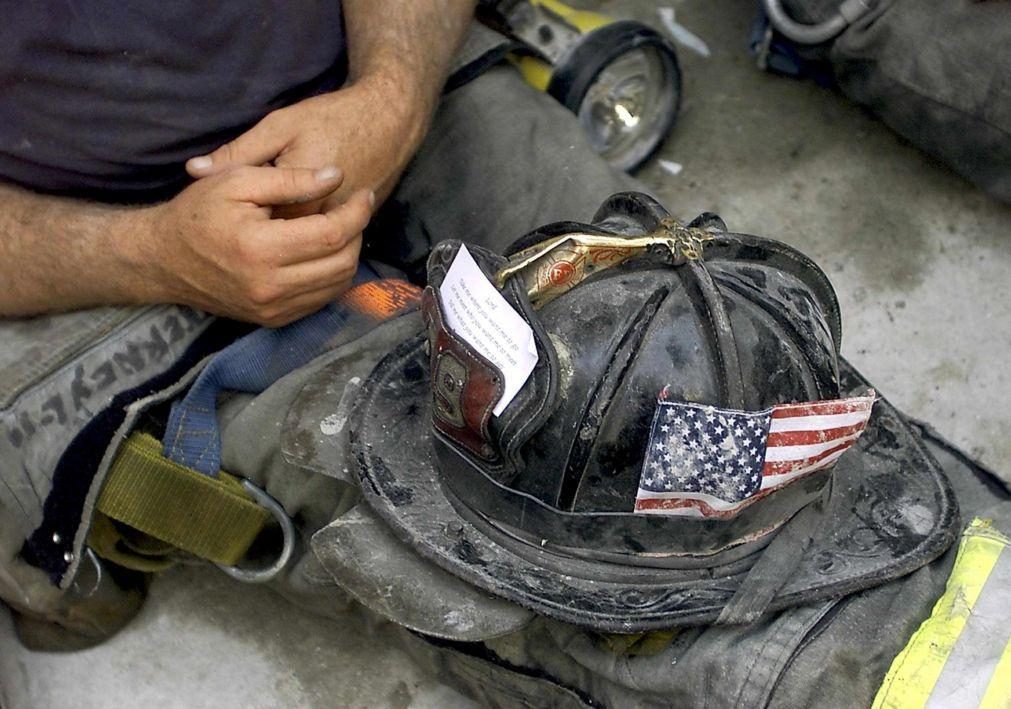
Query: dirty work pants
{"type": "Point", "coordinates": [500, 159]}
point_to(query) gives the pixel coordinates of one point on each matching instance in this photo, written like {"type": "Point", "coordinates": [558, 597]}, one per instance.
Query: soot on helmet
{"type": "Point", "coordinates": [564, 461]}
{"type": "Point", "coordinates": [615, 490]}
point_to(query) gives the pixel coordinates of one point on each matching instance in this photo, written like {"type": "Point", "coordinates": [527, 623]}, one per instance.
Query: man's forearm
{"type": "Point", "coordinates": [60, 254]}
{"type": "Point", "coordinates": [199, 248]}
{"type": "Point", "coordinates": [399, 55]}
{"type": "Point", "coordinates": [213, 246]}
{"type": "Point", "coordinates": [411, 42]}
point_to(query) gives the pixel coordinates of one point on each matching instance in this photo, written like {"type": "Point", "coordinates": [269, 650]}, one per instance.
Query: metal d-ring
{"type": "Point", "coordinates": [90, 555]}
{"type": "Point", "coordinates": [848, 12]}
{"type": "Point", "coordinates": [287, 548]}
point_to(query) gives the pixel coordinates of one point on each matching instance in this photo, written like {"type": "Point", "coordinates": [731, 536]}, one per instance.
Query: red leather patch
{"type": "Point", "coordinates": [465, 385]}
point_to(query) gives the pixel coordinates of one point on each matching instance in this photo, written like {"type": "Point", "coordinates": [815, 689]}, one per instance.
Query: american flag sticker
{"type": "Point", "coordinates": [708, 462]}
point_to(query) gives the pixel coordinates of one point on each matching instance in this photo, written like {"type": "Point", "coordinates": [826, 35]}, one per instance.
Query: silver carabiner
{"type": "Point", "coordinates": [90, 555]}
{"type": "Point", "coordinates": [287, 548]}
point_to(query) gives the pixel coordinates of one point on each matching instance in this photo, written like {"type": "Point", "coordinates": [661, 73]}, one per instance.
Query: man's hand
{"type": "Point", "coordinates": [369, 128]}
{"type": "Point", "coordinates": [399, 53]}
{"type": "Point", "coordinates": [215, 247]}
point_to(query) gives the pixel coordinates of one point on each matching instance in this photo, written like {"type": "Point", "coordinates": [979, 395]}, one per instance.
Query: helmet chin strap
{"type": "Point", "coordinates": [777, 565]}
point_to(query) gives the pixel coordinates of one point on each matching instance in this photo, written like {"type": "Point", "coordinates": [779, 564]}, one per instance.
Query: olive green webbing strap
{"type": "Point", "coordinates": [211, 518]}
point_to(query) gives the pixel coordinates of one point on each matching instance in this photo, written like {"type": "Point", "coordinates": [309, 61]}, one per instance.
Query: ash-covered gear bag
{"type": "Point", "coordinates": [935, 71]}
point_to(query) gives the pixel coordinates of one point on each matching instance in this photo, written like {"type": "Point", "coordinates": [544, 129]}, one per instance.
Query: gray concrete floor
{"type": "Point", "coordinates": [919, 258]}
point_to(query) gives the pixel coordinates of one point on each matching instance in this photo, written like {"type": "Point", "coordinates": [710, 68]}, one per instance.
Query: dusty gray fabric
{"type": "Point", "coordinates": [811, 11]}
{"type": "Point", "coordinates": [59, 372]}
{"type": "Point", "coordinates": [258, 446]}
{"type": "Point", "coordinates": [935, 71]}
{"type": "Point", "coordinates": [481, 48]}
{"type": "Point", "coordinates": [495, 684]}
{"type": "Point", "coordinates": [59, 378]}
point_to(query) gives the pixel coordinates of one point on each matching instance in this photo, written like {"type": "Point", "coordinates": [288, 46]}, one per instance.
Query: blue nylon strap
{"type": "Point", "coordinates": [250, 364]}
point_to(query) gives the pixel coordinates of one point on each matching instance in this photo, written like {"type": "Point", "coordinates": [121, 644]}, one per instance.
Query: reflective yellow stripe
{"type": "Point", "coordinates": [914, 672]}
{"type": "Point", "coordinates": [998, 692]}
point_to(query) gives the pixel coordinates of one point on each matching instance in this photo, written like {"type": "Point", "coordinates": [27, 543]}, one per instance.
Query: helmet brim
{"type": "Point", "coordinates": [891, 510]}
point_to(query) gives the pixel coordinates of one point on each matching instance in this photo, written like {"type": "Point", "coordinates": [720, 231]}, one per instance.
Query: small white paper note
{"type": "Point", "coordinates": [478, 314]}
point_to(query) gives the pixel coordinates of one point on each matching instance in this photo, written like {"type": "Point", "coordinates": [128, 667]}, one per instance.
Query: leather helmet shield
{"type": "Point", "coordinates": [544, 519]}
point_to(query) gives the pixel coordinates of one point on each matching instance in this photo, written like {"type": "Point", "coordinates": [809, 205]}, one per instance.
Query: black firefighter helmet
{"type": "Point", "coordinates": [624, 487]}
